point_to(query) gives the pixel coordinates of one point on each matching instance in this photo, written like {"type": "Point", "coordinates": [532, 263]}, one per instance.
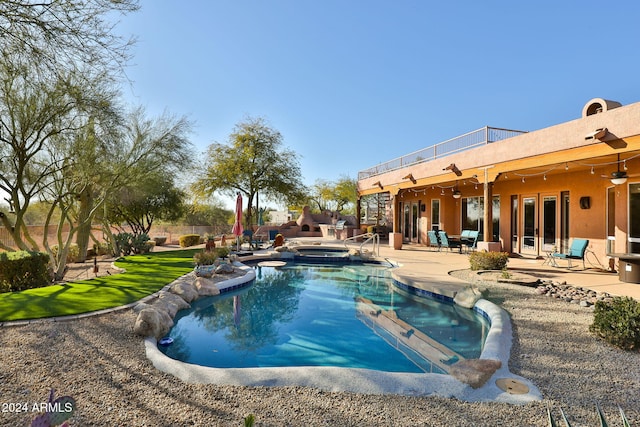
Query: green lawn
{"type": "Point", "coordinates": [145, 275]}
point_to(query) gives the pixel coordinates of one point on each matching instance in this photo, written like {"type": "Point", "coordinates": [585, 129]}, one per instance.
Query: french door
{"type": "Point", "coordinates": [411, 222]}
{"type": "Point", "coordinates": [529, 241]}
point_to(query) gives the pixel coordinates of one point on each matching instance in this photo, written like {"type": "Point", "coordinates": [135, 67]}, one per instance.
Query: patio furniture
{"type": "Point", "coordinates": [433, 239]}
{"type": "Point", "coordinates": [469, 239]}
{"type": "Point", "coordinates": [576, 251]}
{"type": "Point", "coordinates": [446, 242]}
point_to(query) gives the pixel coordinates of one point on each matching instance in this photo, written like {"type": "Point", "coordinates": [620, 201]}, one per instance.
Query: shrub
{"type": "Point", "coordinates": [23, 270]}
{"type": "Point", "coordinates": [488, 260]}
{"type": "Point", "coordinates": [123, 243]}
{"type": "Point", "coordinates": [205, 257]}
{"type": "Point", "coordinates": [101, 248]}
{"type": "Point", "coordinates": [160, 240]}
{"type": "Point", "coordinates": [222, 252]}
{"type": "Point", "coordinates": [189, 240]}
{"type": "Point", "coordinates": [72, 256]}
{"type": "Point", "coordinates": [140, 244]}
{"type": "Point", "coordinates": [618, 322]}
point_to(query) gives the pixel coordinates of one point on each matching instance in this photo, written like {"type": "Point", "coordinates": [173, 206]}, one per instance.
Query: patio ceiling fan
{"type": "Point", "coordinates": [618, 176]}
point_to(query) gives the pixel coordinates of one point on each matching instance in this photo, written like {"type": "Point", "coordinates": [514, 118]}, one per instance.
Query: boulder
{"type": "Point", "coordinates": [152, 323]}
{"type": "Point", "coordinates": [475, 372]}
{"type": "Point", "coordinates": [185, 291]}
{"type": "Point", "coordinates": [224, 269]}
{"type": "Point", "coordinates": [467, 298]}
{"type": "Point", "coordinates": [140, 306]}
{"type": "Point", "coordinates": [206, 287]}
{"type": "Point", "coordinates": [166, 306]}
{"type": "Point", "coordinates": [174, 299]}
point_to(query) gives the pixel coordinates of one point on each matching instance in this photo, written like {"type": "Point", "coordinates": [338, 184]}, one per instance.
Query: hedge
{"type": "Point", "coordinates": [189, 240]}
{"type": "Point", "coordinates": [23, 270]}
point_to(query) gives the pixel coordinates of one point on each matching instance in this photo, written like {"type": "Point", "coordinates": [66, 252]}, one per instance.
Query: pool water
{"type": "Point", "coordinates": [325, 315]}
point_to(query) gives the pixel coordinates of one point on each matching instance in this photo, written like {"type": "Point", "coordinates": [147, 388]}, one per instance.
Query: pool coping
{"type": "Point", "coordinates": [337, 379]}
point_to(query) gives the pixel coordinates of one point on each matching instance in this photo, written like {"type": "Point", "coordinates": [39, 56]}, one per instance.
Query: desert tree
{"type": "Point", "coordinates": [254, 160]}
{"type": "Point", "coordinates": [60, 36]}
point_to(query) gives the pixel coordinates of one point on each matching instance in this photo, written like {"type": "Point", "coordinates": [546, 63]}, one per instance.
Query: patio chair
{"type": "Point", "coordinates": [469, 239]}
{"type": "Point", "coordinates": [433, 239]}
{"type": "Point", "coordinates": [446, 242]}
{"type": "Point", "coordinates": [576, 251]}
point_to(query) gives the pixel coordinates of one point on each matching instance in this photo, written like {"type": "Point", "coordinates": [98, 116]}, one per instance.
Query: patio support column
{"type": "Point", "coordinates": [358, 212]}
{"type": "Point", "coordinates": [395, 238]}
{"type": "Point", "coordinates": [488, 212]}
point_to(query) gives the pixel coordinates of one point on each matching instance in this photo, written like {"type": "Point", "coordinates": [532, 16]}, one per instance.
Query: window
{"type": "Point", "coordinates": [435, 214]}
{"type": "Point", "coordinates": [473, 215]}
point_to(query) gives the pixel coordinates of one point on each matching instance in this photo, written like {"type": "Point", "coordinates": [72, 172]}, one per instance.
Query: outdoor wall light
{"type": "Point", "coordinates": [457, 194]}
{"type": "Point", "coordinates": [410, 177]}
{"type": "Point", "coordinates": [453, 168]}
{"type": "Point", "coordinates": [597, 134]}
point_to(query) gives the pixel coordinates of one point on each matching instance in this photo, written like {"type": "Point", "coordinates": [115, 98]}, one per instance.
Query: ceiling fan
{"type": "Point", "coordinates": [618, 176]}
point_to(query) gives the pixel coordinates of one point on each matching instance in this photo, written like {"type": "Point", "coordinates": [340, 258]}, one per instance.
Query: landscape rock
{"type": "Point", "coordinates": [475, 372]}
{"type": "Point", "coordinates": [185, 291]}
{"type": "Point", "coordinates": [152, 323]}
{"type": "Point", "coordinates": [174, 299]}
{"type": "Point", "coordinates": [206, 287]}
{"type": "Point", "coordinates": [224, 269]}
{"type": "Point", "coordinates": [468, 297]}
{"type": "Point", "coordinates": [571, 294]}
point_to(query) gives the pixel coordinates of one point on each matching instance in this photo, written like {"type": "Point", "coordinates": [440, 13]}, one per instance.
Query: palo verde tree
{"type": "Point", "coordinates": [33, 112]}
{"type": "Point", "coordinates": [64, 36]}
{"type": "Point", "coordinates": [254, 160]}
{"type": "Point", "coordinates": [139, 203]}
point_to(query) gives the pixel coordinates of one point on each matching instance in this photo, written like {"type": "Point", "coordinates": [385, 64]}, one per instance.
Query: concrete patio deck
{"type": "Point", "coordinates": [421, 264]}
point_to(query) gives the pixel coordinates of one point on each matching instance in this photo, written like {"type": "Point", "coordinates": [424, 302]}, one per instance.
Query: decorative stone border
{"type": "Point", "coordinates": [155, 315]}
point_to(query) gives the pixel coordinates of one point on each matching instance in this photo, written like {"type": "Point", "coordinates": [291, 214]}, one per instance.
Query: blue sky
{"type": "Point", "coordinates": [352, 83]}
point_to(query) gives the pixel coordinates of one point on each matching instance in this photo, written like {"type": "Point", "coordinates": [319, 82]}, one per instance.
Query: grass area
{"type": "Point", "coordinates": [145, 274]}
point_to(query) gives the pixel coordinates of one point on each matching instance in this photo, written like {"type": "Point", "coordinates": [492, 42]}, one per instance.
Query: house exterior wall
{"type": "Point", "coordinates": [561, 159]}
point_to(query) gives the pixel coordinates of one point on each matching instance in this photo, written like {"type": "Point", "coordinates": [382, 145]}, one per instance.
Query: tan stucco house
{"type": "Point", "coordinates": [526, 192]}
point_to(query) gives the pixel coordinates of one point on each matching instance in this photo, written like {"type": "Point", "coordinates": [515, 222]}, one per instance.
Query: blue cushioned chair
{"type": "Point", "coordinates": [446, 242]}
{"type": "Point", "coordinates": [433, 239]}
{"type": "Point", "coordinates": [576, 251]}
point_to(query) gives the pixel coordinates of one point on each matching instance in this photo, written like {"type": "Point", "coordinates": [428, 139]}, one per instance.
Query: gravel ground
{"type": "Point", "coordinates": [102, 364]}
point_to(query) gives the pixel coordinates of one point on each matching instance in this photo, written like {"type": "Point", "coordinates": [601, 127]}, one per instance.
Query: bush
{"type": "Point", "coordinates": [488, 260]}
{"type": "Point", "coordinates": [160, 240]}
{"type": "Point", "coordinates": [222, 252]}
{"type": "Point", "coordinates": [205, 258]}
{"type": "Point", "coordinates": [189, 240]}
{"type": "Point", "coordinates": [123, 243]}
{"type": "Point", "coordinates": [618, 322]}
{"type": "Point", "coordinates": [140, 244]}
{"type": "Point", "coordinates": [101, 248]}
{"type": "Point", "coordinates": [23, 270]}
{"type": "Point", "coordinates": [72, 256]}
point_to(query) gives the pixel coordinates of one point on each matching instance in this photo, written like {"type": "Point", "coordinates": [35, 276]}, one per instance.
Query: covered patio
{"type": "Point", "coordinates": [526, 193]}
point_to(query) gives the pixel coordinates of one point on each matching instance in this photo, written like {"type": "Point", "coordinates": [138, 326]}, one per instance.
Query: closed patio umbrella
{"type": "Point", "coordinates": [237, 225]}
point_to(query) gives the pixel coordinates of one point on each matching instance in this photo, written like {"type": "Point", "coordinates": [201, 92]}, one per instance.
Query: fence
{"type": "Point", "coordinates": [172, 232]}
{"type": "Point", "coordinates": [483, 136]}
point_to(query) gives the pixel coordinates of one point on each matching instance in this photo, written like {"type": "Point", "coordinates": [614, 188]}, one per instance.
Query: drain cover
{"type": "Point", "coordinates": [512, 386]}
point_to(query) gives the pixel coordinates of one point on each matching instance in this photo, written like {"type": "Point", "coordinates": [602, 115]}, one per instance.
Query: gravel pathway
{"type": "Point", "coordinates": [102, 364]}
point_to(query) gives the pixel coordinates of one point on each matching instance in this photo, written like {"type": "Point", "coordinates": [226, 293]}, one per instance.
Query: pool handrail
{"type": "Point", "coordinates": [374, 238]}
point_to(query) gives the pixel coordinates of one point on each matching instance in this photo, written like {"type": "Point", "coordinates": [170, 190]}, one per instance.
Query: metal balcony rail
{"type": "Point", "coordinates": [482, 136]}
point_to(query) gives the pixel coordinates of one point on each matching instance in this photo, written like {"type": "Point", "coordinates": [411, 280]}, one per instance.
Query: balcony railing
{"type": "Point", "coordinates": [483, 136]}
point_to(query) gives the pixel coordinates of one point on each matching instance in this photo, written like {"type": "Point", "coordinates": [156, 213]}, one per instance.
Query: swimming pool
{"type": "Point", "coordinates": [349, 316]}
